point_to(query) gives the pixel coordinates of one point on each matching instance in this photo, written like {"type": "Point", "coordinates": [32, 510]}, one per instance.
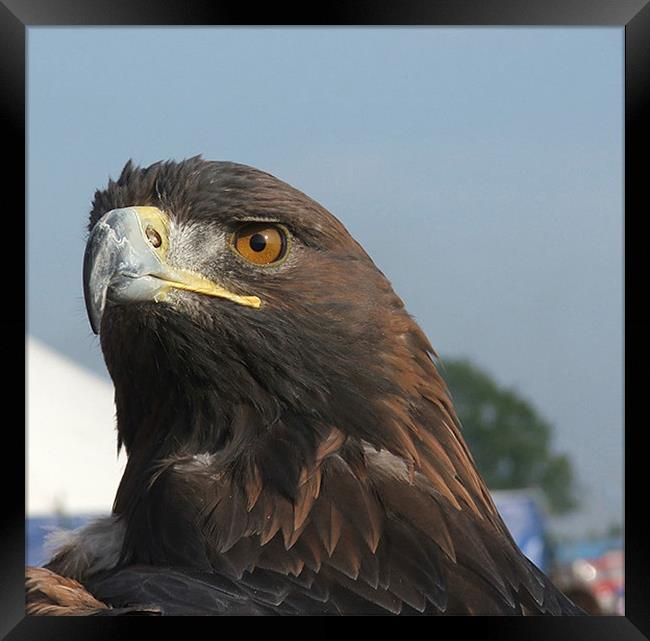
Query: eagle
{"type": "Point", "coordinates": [291, 446]}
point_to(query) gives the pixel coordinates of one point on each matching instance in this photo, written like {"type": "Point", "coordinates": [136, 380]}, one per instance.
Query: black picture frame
{"type": "Point", "coordinates": [16, 16]}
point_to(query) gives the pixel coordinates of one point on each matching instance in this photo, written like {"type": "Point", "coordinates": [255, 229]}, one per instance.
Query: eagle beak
{"type": "Point", "coordinates": [125, 262]}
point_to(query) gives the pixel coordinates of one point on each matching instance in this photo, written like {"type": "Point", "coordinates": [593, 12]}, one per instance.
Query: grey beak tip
{"type": "Point", "coordinates": [93, 309]}
{"type": "Point", "coordinates": [95, 323]}
{"type": "Point", "coordinates": [96, 277]}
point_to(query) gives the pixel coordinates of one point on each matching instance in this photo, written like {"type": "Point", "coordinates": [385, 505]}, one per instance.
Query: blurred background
{"type": "Point", "coordinates": [482, 170]}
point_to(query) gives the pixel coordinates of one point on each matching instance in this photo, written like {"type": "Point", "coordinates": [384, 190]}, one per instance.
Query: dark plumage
{"type": "Point", "coordinates": [300, 457]}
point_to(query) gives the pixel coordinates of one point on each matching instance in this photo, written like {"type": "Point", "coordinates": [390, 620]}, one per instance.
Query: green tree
{"type": "Point", "coordinates": [510, 441]}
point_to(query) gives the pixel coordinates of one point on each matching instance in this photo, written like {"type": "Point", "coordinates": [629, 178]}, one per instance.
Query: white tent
{"type": "Point", "coordinates": [72, 464]}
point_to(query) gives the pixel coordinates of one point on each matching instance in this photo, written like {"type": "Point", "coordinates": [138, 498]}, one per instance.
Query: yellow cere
{"type": "Point", "coordinates": [158, 220]}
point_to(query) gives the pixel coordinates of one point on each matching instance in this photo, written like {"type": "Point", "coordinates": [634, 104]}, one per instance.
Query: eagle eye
{"type": "Point", "coordinates": [261, 243]}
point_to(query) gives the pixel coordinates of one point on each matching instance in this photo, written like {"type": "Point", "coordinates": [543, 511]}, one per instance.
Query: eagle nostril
{"type": "Point", "coordinates": [153, 236]}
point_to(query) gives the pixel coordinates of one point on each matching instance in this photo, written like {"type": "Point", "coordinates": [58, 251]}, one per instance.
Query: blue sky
{"type": "Point", "coordinates": [481, 168]}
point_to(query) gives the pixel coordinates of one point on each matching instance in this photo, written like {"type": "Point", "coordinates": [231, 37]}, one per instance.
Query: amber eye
{"type": "Point", "coordinates": [261, 243]}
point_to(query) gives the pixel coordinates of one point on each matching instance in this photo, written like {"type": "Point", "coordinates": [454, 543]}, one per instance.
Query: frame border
{"type": "Point", "coordinates": [16, 16]}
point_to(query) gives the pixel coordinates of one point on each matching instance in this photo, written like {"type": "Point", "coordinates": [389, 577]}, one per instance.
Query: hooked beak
{"type": "Point", "coordinates": [125, 262]}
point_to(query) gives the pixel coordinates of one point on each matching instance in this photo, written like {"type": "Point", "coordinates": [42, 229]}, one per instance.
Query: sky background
{"type": "Point", "coordinates": [481, 168]}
